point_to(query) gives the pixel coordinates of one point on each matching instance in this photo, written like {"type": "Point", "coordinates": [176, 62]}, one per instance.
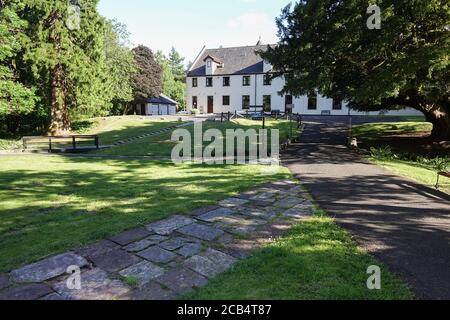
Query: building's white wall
{"type": "Point", "coordinates": [236, 90]}
{"type": "Point", "coordinates": [160, 109]}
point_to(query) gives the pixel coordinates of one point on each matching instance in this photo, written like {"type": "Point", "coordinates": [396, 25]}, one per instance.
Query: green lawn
{"type": "Point", "coordinates": [51, 204]}
{"type": "Point", "coordinates": [383, 129]}
{"type": "Point", "coordinates": [404, 157]}
{"type": "Point", "coordinates": [316, 260]}
{"type": "Point", "coordinates": [113, 129]}
{"type": "Point", "coordinates": [161, 145]}
{"type": "Point", "coordinates": [109, 129]}
{"type": "Point", "coordinates": [419, 172]}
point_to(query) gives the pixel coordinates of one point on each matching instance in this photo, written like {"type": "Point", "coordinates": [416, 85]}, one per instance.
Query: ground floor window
{"type": "Point", "coordinates": [312, 101]}
{"type": "Point", "coordinates": [194, 102]}
{"type": "Point", "coordinates": [337, 104]}
{"type": "Point", "coordinates": [289, 104]}
{"type": "Point", "coordinates": [245, 102]}
{"type": "Point", "coordinates": [226, 100]}
{"type": "Point", "coordinates": [267, 103]}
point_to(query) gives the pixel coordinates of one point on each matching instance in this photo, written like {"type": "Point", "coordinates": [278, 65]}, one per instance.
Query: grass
{"type": "Point", "coordinates": [9, 144]}
{"type": "Point", "coordinates": [9, 141]}
{"type": "Point", "coordinates": [51, 204]}
{"type": "Point", "coordinates": [379, 130]}
{"type": "Point", "coordinates": [316, 260]}
{"type": "Point", "coordinates": [109, 129]}
{"type": "Point", "coordinates": [161, 145]}
{"type": "Point", "coordinates": [411, 169]}
{"type": "Point", "coordinates": [404, 158]}
{"type": "Point", "coordinates": [113, 129]}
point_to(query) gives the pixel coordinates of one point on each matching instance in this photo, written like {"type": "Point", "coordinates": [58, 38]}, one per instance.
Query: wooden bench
{"type": "Point", "coordinates": [70, 143]}
{"type": "Point", "coordinates": [443, 174]}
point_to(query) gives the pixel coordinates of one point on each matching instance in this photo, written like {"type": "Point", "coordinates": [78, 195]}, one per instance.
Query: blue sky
{"type": "Point", "coordinates": [188, 25]}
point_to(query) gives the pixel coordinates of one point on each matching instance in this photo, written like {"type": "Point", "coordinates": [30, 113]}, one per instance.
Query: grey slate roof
{"type": "Point", "coordinates": [237, 60]}
{"type": "Point", "coordinates": [162, 99]}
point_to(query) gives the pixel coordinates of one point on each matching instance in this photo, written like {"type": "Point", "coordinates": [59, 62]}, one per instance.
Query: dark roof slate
{"type": "Point", "coordinates": [237, 60]}
{"type": "Point", "coordinates": [161, 100]}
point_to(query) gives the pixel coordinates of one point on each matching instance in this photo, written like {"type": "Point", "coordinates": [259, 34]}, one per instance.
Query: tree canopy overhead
{"type": "Point", "coordinates": [326, 45]}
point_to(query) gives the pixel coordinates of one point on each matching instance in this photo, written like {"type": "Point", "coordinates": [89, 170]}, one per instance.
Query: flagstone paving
{"type": "Point", "coordinates": [169, 257]}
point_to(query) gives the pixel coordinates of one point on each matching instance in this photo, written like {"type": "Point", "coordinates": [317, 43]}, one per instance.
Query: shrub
{"type": "Point", "coordinates": [382, 153]}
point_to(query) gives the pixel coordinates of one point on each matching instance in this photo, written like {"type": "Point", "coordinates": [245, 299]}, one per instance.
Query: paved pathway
{"type": "Point", "coordinates": [403, 223]}
{"type": "Point", "coordinates": [166, 258]}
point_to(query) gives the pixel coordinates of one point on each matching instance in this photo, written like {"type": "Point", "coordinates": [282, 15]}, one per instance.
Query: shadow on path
{"type": "Point", "coordinates": [405, 224]}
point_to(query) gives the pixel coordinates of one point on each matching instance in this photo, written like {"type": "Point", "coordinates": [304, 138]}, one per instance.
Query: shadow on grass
{"type": "Point", "coordinates": [59, 203]}
{"type": "Point", "coordinates": [316, 260]}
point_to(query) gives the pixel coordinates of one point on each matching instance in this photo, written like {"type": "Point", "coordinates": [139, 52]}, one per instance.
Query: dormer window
{"type": "Point", "coordinates": [211, 63]}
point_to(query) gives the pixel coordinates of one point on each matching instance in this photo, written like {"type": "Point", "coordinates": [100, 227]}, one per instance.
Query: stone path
{"type": "Point", "coordinates": [166, 258]}
{"type": "Point", "coordinates": [401, 222]}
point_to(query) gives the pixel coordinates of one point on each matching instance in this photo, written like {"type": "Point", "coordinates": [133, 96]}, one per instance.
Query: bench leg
{"type": "Point", "coordinates": [437, 182]}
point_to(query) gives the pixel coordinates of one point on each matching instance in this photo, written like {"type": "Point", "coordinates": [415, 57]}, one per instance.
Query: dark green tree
{"type": "Point", "coordinates": [327, 45]}
{"type": "Point", "coordinates": [146, 82]}
{"type": "Point", "coordinates": [16, 99]}
{"type": "Point", "coordinates": [170, 86]}
{"type": "Point", "coordinates": [66, 58]}
{"type": "Point", "coordinates": [176, 65]}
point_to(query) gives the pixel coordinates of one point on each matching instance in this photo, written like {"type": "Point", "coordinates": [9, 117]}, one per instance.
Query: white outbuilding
{"type": "Point", "coordinates": [157, 106]}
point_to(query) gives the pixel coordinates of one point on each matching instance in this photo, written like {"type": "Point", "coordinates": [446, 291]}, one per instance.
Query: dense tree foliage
{"type": "Point", "coordinates": [121, 66]}
{"type": "Point", "coordinates": [147, 81]}
{"type": "Point", "coordinates": [61, 61]}
{"type": "Point", "coordinates": [171, 87]}
{"type": "Point", "coordinates": [326, 45]}
{"type": "Point", "coordinates": [176, 65]}
{"type": "Point", "coordinates": [16, 98]}
{"type": "Point", "coordinates": [66, 60]}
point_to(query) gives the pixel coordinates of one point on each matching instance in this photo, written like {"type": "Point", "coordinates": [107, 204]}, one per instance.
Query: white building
{"type": "Point", "coordinates": [235, 79]}
{"type": "Point", "coordinates": [162, 105]}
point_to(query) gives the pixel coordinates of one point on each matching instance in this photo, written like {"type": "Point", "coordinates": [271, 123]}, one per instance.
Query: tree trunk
{"type": "Point", "coordinates": [439, 116]}
{"type": "Point", "coordinates": [59, 116]}
{"type": "Point", "coordinates": [125, 111]}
